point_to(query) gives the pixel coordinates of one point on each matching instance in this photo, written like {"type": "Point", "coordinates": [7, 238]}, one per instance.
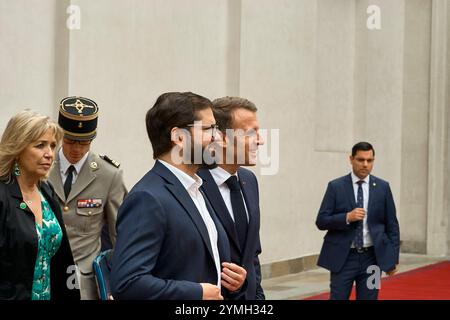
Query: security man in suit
{"type": "Point", "coordinates": [363, 235]}
{"type": "Point", "coordinates": [90, 188]}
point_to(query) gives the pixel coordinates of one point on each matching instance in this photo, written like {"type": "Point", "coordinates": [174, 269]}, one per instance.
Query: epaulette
{"type": "Point", "coordinates": [109, 160]}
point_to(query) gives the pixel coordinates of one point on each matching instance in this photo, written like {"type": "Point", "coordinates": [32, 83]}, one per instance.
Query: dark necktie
{"type": "Point", "coordinates": [68, 183]}
{"type": "Point", "coordinates": [237, 204]}
{"type": "Point", "coordinates": [359, 242]}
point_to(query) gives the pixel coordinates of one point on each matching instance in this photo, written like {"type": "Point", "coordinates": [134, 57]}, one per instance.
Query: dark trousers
{"type": "Point", "coordinates": [355, 269]}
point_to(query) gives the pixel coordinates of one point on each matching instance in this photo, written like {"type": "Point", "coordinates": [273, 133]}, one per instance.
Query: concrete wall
{"type": "Point", "coordinates": [314, 69]}
{"type": "Point", "coordinates": [29, 64]}
{"type": "Point", "coordinates": [416, 96]}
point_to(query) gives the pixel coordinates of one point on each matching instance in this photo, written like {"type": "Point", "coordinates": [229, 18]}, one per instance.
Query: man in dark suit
{"type": "Point", "coordinates": [170, 245]}
{"type": "Point", "coordinates": [358, 211]}
{"type": "Point", "coordinates": [233, 190]}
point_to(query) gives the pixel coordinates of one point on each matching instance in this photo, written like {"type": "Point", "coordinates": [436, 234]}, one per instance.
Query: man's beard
{"type": "Point", "coordinates": [207, 151]}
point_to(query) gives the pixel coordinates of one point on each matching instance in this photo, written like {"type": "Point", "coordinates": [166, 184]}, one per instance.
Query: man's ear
{"type": "Point", "coordinates": [176, 136]}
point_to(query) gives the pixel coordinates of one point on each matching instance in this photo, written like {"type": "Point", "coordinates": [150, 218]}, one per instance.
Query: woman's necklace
{"type": "Point", "coordinates": [29, 202]}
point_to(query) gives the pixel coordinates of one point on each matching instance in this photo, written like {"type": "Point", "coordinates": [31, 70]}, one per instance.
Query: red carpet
{"type": "Point", "coordinates": [427, 283]}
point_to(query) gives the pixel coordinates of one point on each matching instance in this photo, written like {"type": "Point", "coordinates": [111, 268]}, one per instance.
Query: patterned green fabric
{"type": "Point", "coordinates": [49, 240]}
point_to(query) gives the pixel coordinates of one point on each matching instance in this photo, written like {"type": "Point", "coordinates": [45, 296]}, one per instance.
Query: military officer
{"type": "Point", "coordinates": [90, 188]}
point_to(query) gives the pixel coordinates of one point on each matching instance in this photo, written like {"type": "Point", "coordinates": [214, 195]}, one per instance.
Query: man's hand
{"type": "Point", "coordinates": [356, 214]}
{"type": "Point", "coordinates": [233, 276]}
{"type": "Point", "coordinates": [211, 292]}
{"type": "Point", "coordinates": [393, 271]}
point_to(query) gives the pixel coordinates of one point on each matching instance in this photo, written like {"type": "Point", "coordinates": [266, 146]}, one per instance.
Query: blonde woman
{"type": "Point", "coordinates": [35, 255]}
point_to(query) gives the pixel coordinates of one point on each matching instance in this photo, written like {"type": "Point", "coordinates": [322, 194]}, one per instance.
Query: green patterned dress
{"type": "Point", "coordinates": [49, 240]}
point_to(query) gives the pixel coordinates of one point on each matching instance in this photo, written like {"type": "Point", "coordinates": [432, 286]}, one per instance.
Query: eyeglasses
{"type": "Point", "coordinates": [251, 133]}
{"type": "Point", "coordinates": [81, 142]}
{"type": "Point", "coordinates": [213, 127]}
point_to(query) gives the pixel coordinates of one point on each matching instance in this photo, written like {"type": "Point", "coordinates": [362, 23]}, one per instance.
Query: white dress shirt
{"type": "Point", "coordinates": [367, 240]}
{"type": "Point", "coordinates": [220, 176]}
{"type": "Point", "coordinates": [192, 186]}
{"type": "Point", "coordinates": [64, 165]}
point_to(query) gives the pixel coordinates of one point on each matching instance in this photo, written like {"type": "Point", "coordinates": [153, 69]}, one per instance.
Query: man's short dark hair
{"type": "Point", "coordinates": [223, 110]}
{"type": "Point", "coordinates": [172, 109]}
{"type": "Point", "coordinates": [362, 146]}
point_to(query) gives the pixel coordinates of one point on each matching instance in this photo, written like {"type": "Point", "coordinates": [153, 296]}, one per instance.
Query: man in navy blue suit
{"type": "Point", "coordinates": [170, 244]}
{"type": "Point", "coordinates": [233, 190]}
{"type": "Point", "coordinates": [363, 235]}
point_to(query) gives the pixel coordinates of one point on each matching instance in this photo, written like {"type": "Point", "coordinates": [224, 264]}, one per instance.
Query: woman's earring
{"type": "Point", "coordinates": [16, 169]}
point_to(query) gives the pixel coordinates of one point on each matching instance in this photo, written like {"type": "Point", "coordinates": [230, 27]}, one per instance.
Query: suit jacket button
{"type": "Point", "coordinates": [66, 208]}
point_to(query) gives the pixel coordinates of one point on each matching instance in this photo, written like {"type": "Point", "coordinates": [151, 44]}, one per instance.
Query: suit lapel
{"type": "Point", "coordinates": [85, 177]}
{"type": "Point", "coordinates": [55, 179]}
{"type": "Point", "coordinates": [17, 194]}
{"type": "Point", "coordinates": [222, 240]}
{"type": "Point", "coordinates": [180, 193]}
{"type": "Point", "coordinates": [372, 194]}
{"type": "Point", "coordinates": [250, 200]}
{"type": "Point", "coordinates": [212, 192]}
{"type": "Point", "coordinates": [349, 190]}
